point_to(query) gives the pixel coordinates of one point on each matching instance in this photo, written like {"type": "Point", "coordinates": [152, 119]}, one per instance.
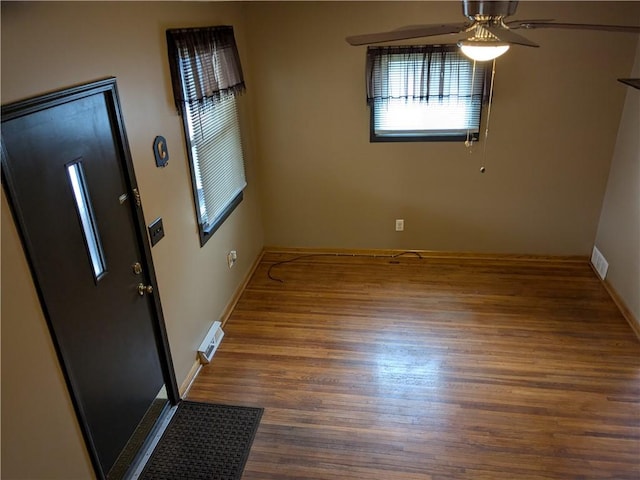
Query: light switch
{"type": "Point", "coordinates": [156, 231]}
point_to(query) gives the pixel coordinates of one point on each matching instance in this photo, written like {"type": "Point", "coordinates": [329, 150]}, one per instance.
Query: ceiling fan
{"type": "Point", "coordinates": [486, 35]}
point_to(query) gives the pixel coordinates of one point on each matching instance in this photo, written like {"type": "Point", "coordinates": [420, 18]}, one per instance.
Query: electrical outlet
{"type": "Point", "coordinates": [399, 224]}
{"type": "Point", "coordinates": [232, 256]}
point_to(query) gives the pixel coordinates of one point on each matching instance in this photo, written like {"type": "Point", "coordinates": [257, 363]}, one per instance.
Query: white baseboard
{"type": "Point", "coordinates": [191, 376]}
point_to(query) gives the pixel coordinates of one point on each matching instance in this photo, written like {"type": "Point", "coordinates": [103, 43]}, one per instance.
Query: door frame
{"type": "Point", "coordinates": [18, 109]}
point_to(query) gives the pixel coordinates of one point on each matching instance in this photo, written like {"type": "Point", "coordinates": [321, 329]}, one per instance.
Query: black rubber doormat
{"type": "Point", "coordinates": [204, 441]}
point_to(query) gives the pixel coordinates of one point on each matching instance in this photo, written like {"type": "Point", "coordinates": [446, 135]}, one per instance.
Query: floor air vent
{"type": "Point", "coordinates": [599, 263]}
{"type": "Point", "coordinates": [210, 343]}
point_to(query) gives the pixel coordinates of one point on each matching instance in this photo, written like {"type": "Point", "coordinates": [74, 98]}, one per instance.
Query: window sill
{"type": "Point", "coordinates": [207, 231]}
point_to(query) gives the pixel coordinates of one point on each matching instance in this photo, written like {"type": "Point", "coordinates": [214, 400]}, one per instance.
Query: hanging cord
{"type": "Point", "coordinates": [486, 130]}
{"type": "Point", "coordinates": [309, 255]}
{"type": "Point", "coordinates": [468, 142]}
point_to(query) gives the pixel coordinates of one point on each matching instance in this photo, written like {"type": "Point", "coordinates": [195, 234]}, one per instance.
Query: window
{"type": "Point", "coordinates": [87, 218]}
{"type": "Point", "coordinates": [427, 92]}
{"type": "Point", "coordinates": [207, 77]}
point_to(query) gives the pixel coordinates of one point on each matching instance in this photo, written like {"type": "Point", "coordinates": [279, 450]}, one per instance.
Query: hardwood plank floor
{"type": "Point", "coordinates": [431, 368]}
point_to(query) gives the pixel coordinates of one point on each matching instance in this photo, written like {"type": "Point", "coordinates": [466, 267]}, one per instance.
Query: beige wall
{"type": "Point", "coordinates": [618, 236]}
{"type": "Point", "coordinates": [321, 183]}
{"type": "Point", "coordinates": [47, 46]}
{"type": "Point", "coordinates": [552, 133]}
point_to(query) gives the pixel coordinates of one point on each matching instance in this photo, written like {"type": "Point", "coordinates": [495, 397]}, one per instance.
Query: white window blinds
{"type": "Point", "coordinates": [207, 76]}
{"type": "Point", "coordinates": [424, 91]}
{"type": "Point", "coordinates": [216, 153]}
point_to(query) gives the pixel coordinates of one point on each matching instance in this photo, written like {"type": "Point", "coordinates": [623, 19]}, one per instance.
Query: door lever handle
{"type": "Point", "coordinates": [142, 289]}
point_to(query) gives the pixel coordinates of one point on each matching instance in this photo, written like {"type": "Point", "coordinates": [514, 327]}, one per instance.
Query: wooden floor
{"type": "Point", "coordinates": [431, 368]}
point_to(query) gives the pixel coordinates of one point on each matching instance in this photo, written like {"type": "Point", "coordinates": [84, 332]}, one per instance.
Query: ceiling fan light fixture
{"type": "Point", "coordinates": [483, 50]}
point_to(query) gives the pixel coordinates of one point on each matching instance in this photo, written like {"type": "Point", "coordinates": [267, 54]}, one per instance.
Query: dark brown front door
{"type": "Point", "coordinates": [68, 174]}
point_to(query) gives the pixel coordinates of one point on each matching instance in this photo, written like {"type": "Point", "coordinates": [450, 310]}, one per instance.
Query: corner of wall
{"type": "Point", "coordinates": [618, 233]}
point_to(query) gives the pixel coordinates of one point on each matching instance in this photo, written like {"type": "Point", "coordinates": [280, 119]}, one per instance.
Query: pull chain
{"type": "Point", "coordinates": [486, 130]}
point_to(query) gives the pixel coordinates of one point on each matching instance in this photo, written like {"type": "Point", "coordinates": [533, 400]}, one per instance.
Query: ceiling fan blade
{"type": "Point", "coordinates": [531, 24]}
{"type": "Point", "coordinates": [414, 31]}
{"type": "Point", "coordinates": [515, 24]}
{"type": "Point", "coordinates": [507, 35]}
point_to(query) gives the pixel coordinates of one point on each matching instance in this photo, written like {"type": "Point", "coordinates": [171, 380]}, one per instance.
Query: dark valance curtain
{"type": "Point", "coordinates": [421, 72]}
{"type": "Point", "coordinates": [204, 64]}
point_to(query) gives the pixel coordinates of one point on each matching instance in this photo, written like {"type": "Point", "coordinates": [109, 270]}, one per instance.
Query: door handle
{"type": "Point", "coordinates": [142, 289]}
